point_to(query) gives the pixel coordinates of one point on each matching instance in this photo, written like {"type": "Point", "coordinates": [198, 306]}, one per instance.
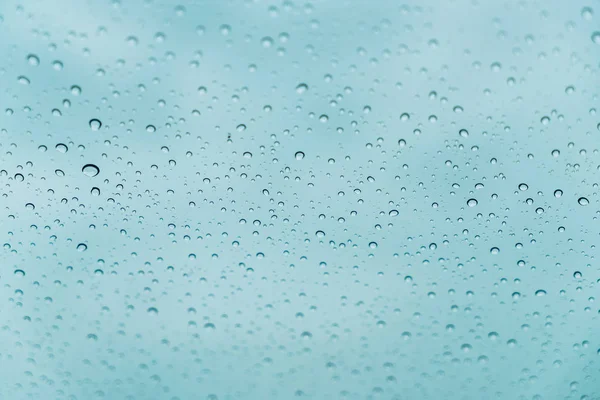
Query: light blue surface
{"type": "Point", "coordinates": [282, 201]}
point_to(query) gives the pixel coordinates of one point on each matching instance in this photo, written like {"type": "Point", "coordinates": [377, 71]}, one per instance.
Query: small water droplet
{"type": "Point", "coordinates": [33, 60]}
{"type": "Point", "coordinates": [95, 124]}
{"type": "Point", "coordinates": [587, 13]}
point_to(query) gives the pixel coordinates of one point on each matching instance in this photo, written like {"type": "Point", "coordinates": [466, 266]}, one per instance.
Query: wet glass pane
{"type": "Point", "coordinates": [328, 199]}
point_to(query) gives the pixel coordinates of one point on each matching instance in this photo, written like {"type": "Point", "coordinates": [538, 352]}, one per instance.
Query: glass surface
{"type": "Point", "coordinates": [287, 199]}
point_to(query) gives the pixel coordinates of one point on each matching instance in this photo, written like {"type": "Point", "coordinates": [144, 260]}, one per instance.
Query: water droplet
{"type": "Point", "coordinates": [151, 129]}
{"type": "Point", "coordinates": [472, 202]}
{"type": "Point", "coordinates": [33, 60]}
{"type": "Point", "coordinates": [225, 29]}
{"type": "Point", "coordinates": [90, 170]}
{"type": "Point", "coordinates": [494, 250]}
{"type": "Point", "coordinates": [299, 155]}
{"type": "Point", "coordinates": [301, 88]}
{"type": "Point", "coordinates": [95, 124]}
{"type": "Point", "coordinates": [577, 275]}
{"type": "Point", "coordinates": [558, 193]}
{"type": "Point", "coordinates": [583, 201]}
{"type": "Point", "coordinates": [540, 292]}
{"type": "Point", "coordinates": [596, 37]}
{"type": "Point", "coordinates": [82, 247]}
{"type": "Point", "coordinates": [523, 186]}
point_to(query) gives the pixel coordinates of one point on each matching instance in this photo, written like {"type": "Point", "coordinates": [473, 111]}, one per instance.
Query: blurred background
{"type": "Point", "coordinates": [286, 199]}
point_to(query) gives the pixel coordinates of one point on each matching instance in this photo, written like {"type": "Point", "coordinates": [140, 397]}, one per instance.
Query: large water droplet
{"type": "Point", "coordinates": [90, 170]}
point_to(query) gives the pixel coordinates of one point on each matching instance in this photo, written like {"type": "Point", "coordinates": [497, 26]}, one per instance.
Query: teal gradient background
{"type": "Point", "coordinates": [282, 205]}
